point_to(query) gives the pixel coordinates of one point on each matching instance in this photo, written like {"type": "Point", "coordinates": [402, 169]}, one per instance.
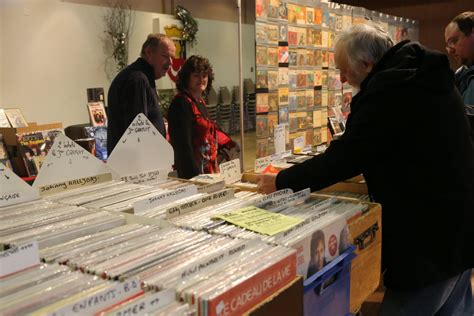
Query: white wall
{"type": "Point", "coordinates": [52, 51]}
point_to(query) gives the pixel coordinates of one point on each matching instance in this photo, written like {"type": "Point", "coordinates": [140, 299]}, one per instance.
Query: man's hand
{"type": "Point", "coordinates": [266, 183]}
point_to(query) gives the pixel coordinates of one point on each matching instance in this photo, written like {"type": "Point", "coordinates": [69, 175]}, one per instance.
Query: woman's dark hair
{"type": "Point", "coordinates": [194, 64]}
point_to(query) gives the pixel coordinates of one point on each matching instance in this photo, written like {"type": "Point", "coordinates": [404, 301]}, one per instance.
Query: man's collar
{"type": "Point", "coordinates": [147, 69]}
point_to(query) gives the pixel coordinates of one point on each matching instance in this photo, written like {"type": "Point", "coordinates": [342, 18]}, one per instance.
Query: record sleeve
{"type": "Point", "coordinates": [261, 9]}
{"type": "Point", "coordinates": [273, 102]}
{"type": "Point", "coordinates": [97, 114]}
{"type": "Point", "coordinates": [262, 126]}
{"type": "Point", "coordinates": [262, 79]}
{"type": "Point", "coordinates": [283, 55]}
{"type": "Point", "coordinates": [283, 76]}
{"type": "Point", "coordinates": [273, 9]}
{"type": "Point", "coordinates": [301, 36]}
{"type": "Point", "coordinates": [309, 15]}
{"type": "Point", "coordinates": [262, 55]}
{"type": "Point", "coordinates": [301, 14]}
{"type": "Point", "coordinates": [292, 13]}
{"type": "Point", "coordinates": [317, 136]}
{"type": "Point", "coordinates": [16, 118]}
{"type": "Point", "coordinates": [317, 97]}
{"type": "Point", "coordinates": [293, 58]}
{"type": "Point", "coordinates": [272, 33]}
{"type": "Point", "coordinates": [300, 100]}
{"type": "Point", "coordinates": [3, 119]}
{"type": "Point", "coordinates": [272, 79]}
{"type": "Point", "coordinates": [318, 16]}
{"type": "Point", "coordinates": [301, 79]}
{"type": "Point", "coordinates": [317, 118]}
{"type": "Point", "coordinates": [283, 11]}
{"type": "Point", "coordinates": [283, 96]}
{"type": "Point", "coordinates": [273, 56]}
{"type": "Point", "coordinates": [283, 32]}
{"type": "Point", "coordinates": [318, 38]}
{"type": "Point", "coordinates": [272, 122]}
{"type": "Point", "coordinates": [318, 78]}
{"type": "Point", "coordinates": [260, 32]}
{"type": "Point", "coordinates": [292, 36]}
{"type": "Point", "coordinates": [292, 78]}
{"type": "Point", "coordinates": [301, 57]}
{"type": "Point", "coordinates": [262, 147]}
{"type": "Point", "coordinates": [309, 99]}
{"type": "Point", "coordinates": [262, 102]}
{"type": "Point", "coordinates": [283, 115]}
{"type": "Point", "coordinates": [32, 151]}
{"type": "Point", "coordinates": [310, 57]}
{"type": "Point", "coordinates": [292, 101]}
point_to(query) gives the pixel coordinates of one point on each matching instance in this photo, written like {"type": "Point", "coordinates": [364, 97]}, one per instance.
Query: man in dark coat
{"type": "Point", "coordinates": [133, 90]}
{"type": "Point", "coordinates": [409, 135]}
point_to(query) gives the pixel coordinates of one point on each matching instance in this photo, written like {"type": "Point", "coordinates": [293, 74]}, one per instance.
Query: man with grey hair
{"type": "Point", "coordinates": [408, 134]}
{"type": "Point", "coordinates": [133, 90]}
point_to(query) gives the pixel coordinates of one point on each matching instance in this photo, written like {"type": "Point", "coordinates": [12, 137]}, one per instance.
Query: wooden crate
{"type": "Point", "coordinates": [366, 234]}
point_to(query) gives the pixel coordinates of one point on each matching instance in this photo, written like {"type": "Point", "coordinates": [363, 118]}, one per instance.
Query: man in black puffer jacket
{"type": "Point", "coordinates": [409, 135]}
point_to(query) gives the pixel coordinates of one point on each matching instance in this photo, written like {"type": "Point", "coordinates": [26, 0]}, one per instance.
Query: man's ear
{"type": "Point", "coordinates": [368, 66]}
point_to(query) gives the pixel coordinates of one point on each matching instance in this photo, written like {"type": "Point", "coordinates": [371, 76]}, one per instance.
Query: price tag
{"type": "Point", "coordinates": [230, 171]}
{"type": "Point", "coordinates": [19, 258]}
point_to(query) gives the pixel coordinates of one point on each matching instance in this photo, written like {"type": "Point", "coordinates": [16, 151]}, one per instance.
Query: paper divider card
{"type": "Point", "coordinates": [164, 198]}
{"type": "Point", "coordinates": [200, 202]}
{"type": "Point", "coordinates": [67, 161]}
{"type": "Point", "coordinates": [142, 149]}
{"type": "Point", "coordinates": [146, 176]}
{"type": "Point", "coordinates": [259, 220]}
{"type": "Point", "coordinates": [230, 171]}
{"type": "Point", "coordinates": [13, 189]}
{"type": "Point", "coordinates": [73, 184]}
{"type": "Point", "coordinates": [279, 133]}
{"type": "Point", "coordinates": [19, 258]}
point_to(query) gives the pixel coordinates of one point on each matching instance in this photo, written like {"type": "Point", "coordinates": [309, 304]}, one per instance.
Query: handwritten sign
{"type": "Point", "coordinates": [273, 197]}
{"type": "Point", "coordinates": [73, 184]}
{"type": "Point", "coordinates": [146, 177]}
{"type": "Point", "coordinates": [150, 303]}
{"type": "Point", "coordinates": [19, 258]}
{"type": "Point", "coordinates": [279, 133]}
{"type": "Point", "coordinates": [14, 190]}
{"type": "Point", "coordinates": [298, 144]}
{"type": "Point", "coordinates": [164, 198]}
{"type": "Point", "coordinates": [230, 171]}
{"type": "Point", "coordinates": [68, 161]}
{"type": "Point", "coordinates": [293, 199]}
{"type": "Point", "coordinates": [262, 163]}
{"type": "Point", "coordinates": [259, 220]}
{"type": "Point", "coordinates": [110, 296]}
{"type": "Point", "coordinates": [201, 202]}
{"type": "Point", "coordinates": [141, 149]}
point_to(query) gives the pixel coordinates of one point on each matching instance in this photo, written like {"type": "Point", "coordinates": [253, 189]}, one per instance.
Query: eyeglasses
{"type": "Point", "coordinates": [452, 41]}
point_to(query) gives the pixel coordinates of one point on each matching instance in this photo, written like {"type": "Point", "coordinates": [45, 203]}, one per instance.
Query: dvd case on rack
{"type": "Point", "coordinates": [262, 102]}
{"type": "Point", "coordinates": [272, 79]}
{"type": "Point", "coordinates": [283, 76]}
{"type": "Point", "coordinates": [283, 55]}
{"type": "Point", "coordinates": [273, 102]}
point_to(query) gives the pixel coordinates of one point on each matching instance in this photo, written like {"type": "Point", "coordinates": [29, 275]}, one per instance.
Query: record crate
{"type": "Point", "coordinates": [327, 292]}
{"type": "Point", "coordinates": [365, 232]}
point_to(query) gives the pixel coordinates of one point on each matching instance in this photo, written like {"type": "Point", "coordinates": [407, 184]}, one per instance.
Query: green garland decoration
{"type": "Point", "coordinates": [190, 25]}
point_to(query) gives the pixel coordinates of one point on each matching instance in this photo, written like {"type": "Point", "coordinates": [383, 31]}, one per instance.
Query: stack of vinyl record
{"type": "Point", "coordinates": [51, 223]}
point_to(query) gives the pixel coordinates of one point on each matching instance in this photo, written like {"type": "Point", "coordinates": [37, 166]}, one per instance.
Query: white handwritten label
{"type": "Point", "coordinates": [293, 199]}
{"type": "Point", "coordinates": [273, 197]}
{"type": "Point", "coordinates": [141, 149]}
{"type": "Point", "coordinates": [164, 198]}
{"type": "Point", "coordinates": [298, 144]}
{"type": "Point", "coordinates": [68, 161]}
{"type": "Point", "coordinates": [146, 177]}
{"type": "Point", "coordinates": [211, 187]}
{"type": "Point", "coordinates": [279, 133]}
{"type": "Point", "coordinates": [149, 304]}
{"type": "Point", "coordinates": [99, 301]}
{"type": "Point", "coordinates": [307, 149]}
{"type": "Point", "coordinates": [198, 203]}
{"type": "Point", "coordinates": [208, 263]}
{"type": "Point", "coordinates": [14, 190]}
{"type": "Point", "coordinates": [19, 258]}
{"type": "Point", "coordinates": [281, 155]}
{"type": "Point", "coordinates": [262, 163]}
{"type": "Point", "coordinates": [74, 184]}
{"type": "Point", "coordinates": [230, 170]}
